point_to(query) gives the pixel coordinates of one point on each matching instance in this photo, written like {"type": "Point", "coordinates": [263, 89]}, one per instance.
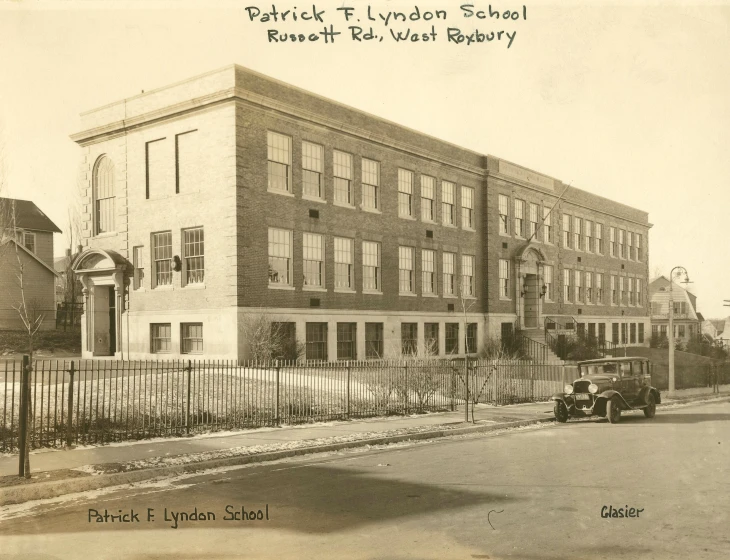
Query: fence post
{"type": "Point", "coordinates": [69, 428]}
{"type": "Point", "coordinates": [466, 384]}
{"type": "Point", "coordinates": [277, 420]}
{"type": "Point", "coordinates": [349, 368]}
{"type": "Point", "coordinates": [494, 383]}
{"type": "Point", "coordinates": [452, 390]}
{"type": "Point", "coordinates": [405, 390]}
{"type": "Point", "coordinates": [189, 369]}
{"type": "Point", "coordinates": [24, 405]}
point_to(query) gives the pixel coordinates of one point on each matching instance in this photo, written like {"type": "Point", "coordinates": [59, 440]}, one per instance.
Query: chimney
{"type": "Point", "coordinates": [79, 248]}
{"type": "Point", "coordinates": [68, 252]}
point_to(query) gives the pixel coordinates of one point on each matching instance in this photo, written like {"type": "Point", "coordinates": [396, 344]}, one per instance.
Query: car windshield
{"type": "Point", "coordinates": [598, 369]}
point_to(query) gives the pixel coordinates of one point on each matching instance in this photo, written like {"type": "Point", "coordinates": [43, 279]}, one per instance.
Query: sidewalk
{"type": "Point", "coordinates": [62, 471]}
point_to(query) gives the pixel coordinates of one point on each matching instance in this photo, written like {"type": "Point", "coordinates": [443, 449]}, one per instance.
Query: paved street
{"type": "Point", "coordinates": [542, 490]}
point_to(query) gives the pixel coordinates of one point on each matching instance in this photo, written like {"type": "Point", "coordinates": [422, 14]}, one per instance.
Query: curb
{"type": "Point", "coordinates": [43, 490]}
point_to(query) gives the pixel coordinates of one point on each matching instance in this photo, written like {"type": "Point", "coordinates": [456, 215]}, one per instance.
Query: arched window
{"type": "Point", "coordinates": [103, 196]}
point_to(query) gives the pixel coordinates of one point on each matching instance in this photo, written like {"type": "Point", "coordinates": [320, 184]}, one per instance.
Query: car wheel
{"type": "Point", "coordinates": [650, 409]}
{"type": "Point", "coordinates": [613, 410]}
{"type": "Point", "coordinates": [561, 412]}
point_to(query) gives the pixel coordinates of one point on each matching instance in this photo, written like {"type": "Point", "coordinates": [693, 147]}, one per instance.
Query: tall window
{"type": "Point", "coordinates": [532, 223]}
{"type": "Point", "coordinates": [624, 337]}
{"type": "Point", "coordinates": [622, 289]}
{"type": "Point", "coordinates": [504, 278]}
{"type": "Point", "coordinates": [639, 302]}
{"type": "Point", "coordinates": [637, 239]}
{"type": "Point", "coordinates": [503, 215]}
{"type": "Point", "coordinates": [370, 184]}
{"type": "Point", "coordinates": [467, 207]}
{"type": "Point", "coordinates": [566, 232]}
{"type": "Point", "coordinates": [103, 196]}
{"type": "Point", "coordinates": [373, 340]}
{"type": "Point", "coordinates": [452, 338]}
{"type": "Point", "coordinates": [428, 187]}
{"type": "Point", "coordinates": [612, 241]}
{"type": "Point", "coordinates": [599, 287]}
{"type": "Point", "coordinates": [448, 196]}
{"type": "Point", "coordinates": [194, 256]}
{"type": "Point", "coordinates": [589, 236]}
{"type": "Point", "coordinates": [621, 244]}
{"type": "Point", "coordinates": [343, 263]}
{"type": "Point", "coordinates": [578, 286]}
{"type": "Point", "coordinates": [316, 341]}
{"type": "Point", "coordinates": [280, 256]}
{"type": "Point", "coordinates": [641, 333]}
{"type": "Point", "coordinates": [138, 263]}
{"type": "Point", "coordinates": [405, 193]}
{"type": "Point", "coordinates": [448, 268]}
{"type": "Point", "coordinates": [188, 168]}
{"type": "Point", "coordinates": [312, 168]}
{"type": "Point", "coordinates": [601, 332]}
{"type": "Point", "coordinates": [156, 169]}
{"type": "Point", "coordinates": [577, 233]}
{"type": "Point", "coordinates": [614, 291]}
{"type": "Point", "coordinates": [313, 256]}
{"type": "Point", "coordinates": [431, 338]}
{"type": "Point", "coordinates": [467, 275]}
{"type": "Point", "coordinates": [405, 270]}
{"type": "Point", "coordinates": [428, 280]}
{"type": "Point", "coordinates": [630, 243]}
{"type": "Point", "coordinates": [279, 162]}
{"type": "Point", "coordinates": [632, 294]}
{"type": "Point", "coordinates": [471, 338]}
{"type": "Point", "coordinates": [567, 294]}
{"type": "Point", "coordinates": [632, 331]}
{"type": "Point", "coordinates": [162, 252]}
{"type": "Point", "coordinates": [547, 225]}
{"type": "Point", "coordinates": [371, 266]}
{"type": "Point", "coordinates": [547, 271]}
{"type": "Point", "coordinates": [599, 238]}
{"type": "Point", "coordinates": [347, 341]}
{"type": "Point", "coordinates": [160, 339]}
{"type": "Point", "coordinates": [191, 338]}
{"type": "Point", "coordinates": [409, 338]}
{"type": "Point", "coordinates": [519, 218]}
{"type": "Point", "coordinates": [589, 287]}
{"type": "Point", "coordinates": [342, 171]}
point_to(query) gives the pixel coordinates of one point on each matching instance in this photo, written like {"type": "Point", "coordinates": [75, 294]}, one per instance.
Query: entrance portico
{"type": "Point", "coordinates": [102, 275]}
{"type": "Point", "coordinates": [530, 286]}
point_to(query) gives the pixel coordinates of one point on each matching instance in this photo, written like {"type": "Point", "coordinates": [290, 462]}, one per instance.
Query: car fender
{"type": "Point", "coordinates": [646, 391]}
{"type": "Point", "coordinates": [568, 400]}
{"type": "Point", "coordinates": [608, 395]}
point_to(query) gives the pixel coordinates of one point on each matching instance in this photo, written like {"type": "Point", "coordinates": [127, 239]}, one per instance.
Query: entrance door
{"type": "Point", "coordinates": [112, 321]}
{"type": "Point", "coordinates": [532, 301]}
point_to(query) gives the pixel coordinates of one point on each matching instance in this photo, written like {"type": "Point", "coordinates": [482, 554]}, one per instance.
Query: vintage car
{"type": "Point", "coordinates": [606, 387]}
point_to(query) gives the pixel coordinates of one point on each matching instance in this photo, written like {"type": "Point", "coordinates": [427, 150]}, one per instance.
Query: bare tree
{"type": "Point", "coordinates": [269, 338]}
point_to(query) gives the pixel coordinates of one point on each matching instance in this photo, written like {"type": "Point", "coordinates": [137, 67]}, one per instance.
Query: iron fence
{"type": "Point", "coordinates": [89, 401]}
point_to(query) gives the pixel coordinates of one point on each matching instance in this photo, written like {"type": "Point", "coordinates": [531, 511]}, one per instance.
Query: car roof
{"type": "Point", "coordinates": [604, 360]}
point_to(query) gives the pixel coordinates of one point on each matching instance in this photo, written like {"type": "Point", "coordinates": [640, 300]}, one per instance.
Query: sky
{"type": "Point", "coordinates": [627, 100]}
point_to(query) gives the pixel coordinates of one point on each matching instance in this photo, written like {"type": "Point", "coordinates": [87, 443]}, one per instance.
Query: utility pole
{"type": "Point", "coordinates": [680, 270]}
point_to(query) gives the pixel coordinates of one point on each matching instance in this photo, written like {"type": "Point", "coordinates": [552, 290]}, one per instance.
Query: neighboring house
{"type": "Point", "coordinates": [687, 322]}
{"type": "Point", "coordinates": [33, 239]}
{"type": "Point", "coordinates": [710, 329]}
{"type": "Point", "coordinates": [65, 292]}
{"type": "Point", "coordinates": [230, 193]}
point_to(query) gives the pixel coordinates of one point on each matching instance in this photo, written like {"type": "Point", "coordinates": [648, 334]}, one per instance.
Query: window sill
{"type": "Point", "coordinates": [503, 298]}
{"type": "Point", "coordinates": [313, 289]}
{"type": "Point", "coordinates": [427, 221]}
{"type": "Point", "coordinates": [311, 198]}
{"type": "Point", "coordinates": [372, 292]}
{"type": "Point", "coordinates": [371, 210]}
{"type": "Point", "coordinates": [344, 205]}
{"type": "Point", "coordinates": [503, 234]}
{"type": "Point", "coordinates": [406, 217]}
{"type": "Point", "coordinates": [138, 290]}
{"type": "Point", "coordinates": [280, 287]}
{"type": "Point", "coordinates": [407, 294]}
{"type": "Point", "coordinates": [469, 229]}
{"type": "Point", "coordinates": [470, 297]}
{"type": "Point", "coordinates": [103, 235]}
{"type": "Point", "coordinates": [450, 296]}
{"type": "Point", "coordinates": [430, 295]}
{"type": "Point", "coordinates": [345, 291]}
{"type": "Point", "coordinates": [449, 226]}
{"type": "Point", "coordinates": [281, 193]}
{"type": "Point", "coordinates": [164, 288]}
{"type": "Point", "coordinates": [194, 287]}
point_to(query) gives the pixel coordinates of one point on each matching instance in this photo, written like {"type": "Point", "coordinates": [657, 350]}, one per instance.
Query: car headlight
{"type": "Point", "coordinates": [568, 389]}
{"type": "Point", "coordinates": [593, 388]}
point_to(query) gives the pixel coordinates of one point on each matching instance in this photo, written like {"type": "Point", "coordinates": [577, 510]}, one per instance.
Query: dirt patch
{"type": "Point", "coordinates": [50, 476]}
{"type": "Point", "coordinates": [56, 342]}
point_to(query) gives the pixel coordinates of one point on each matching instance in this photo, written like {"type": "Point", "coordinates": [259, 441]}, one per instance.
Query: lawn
{"type": "Point", "coordinates": [57, 342]}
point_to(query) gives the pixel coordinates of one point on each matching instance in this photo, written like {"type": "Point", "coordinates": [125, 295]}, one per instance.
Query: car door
{"type": "Point", "coordinates": [628, 382]}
